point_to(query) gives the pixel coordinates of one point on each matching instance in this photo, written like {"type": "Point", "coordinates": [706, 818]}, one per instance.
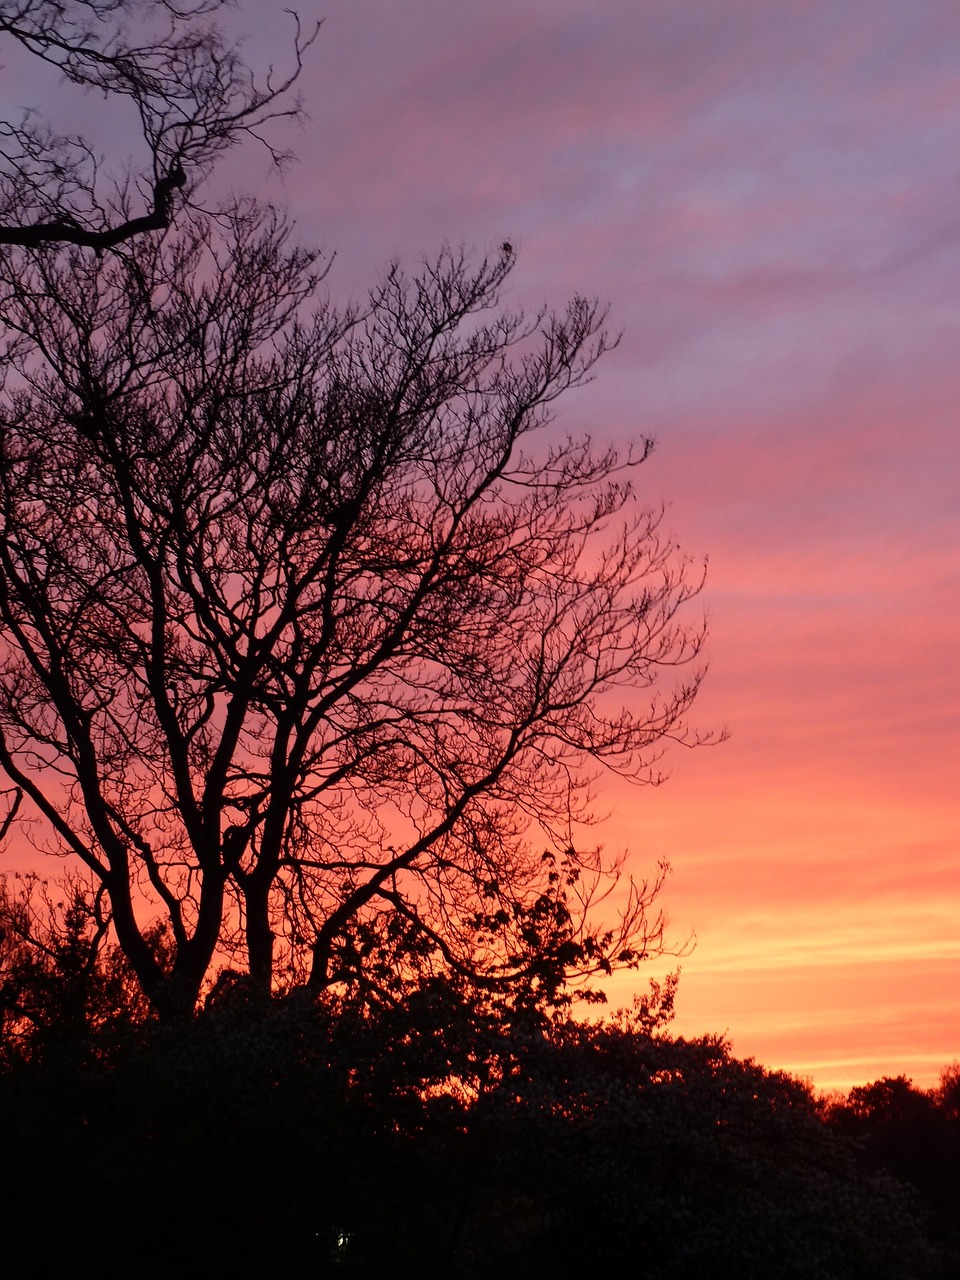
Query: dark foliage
{"type": "Point", "coordinates": [914, 1136]}
{"type": "Point", "coordinates": [442, 1134]}
{"type": "Point", "coordinates": [64, 990]}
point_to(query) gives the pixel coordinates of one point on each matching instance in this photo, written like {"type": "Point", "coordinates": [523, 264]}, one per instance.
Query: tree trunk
{"type": "Point", "coordinates": [260, 936]}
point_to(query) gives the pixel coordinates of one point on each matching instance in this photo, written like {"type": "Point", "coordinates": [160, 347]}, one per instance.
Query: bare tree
{"type": "Point", "coordinates": [191, 97]}
{"type": "Point", "coordinates": [312, 635]}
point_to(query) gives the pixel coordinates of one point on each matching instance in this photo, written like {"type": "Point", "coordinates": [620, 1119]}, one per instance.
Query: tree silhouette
{"type": "Point", "coordinates": [309, 645]}
{"type": "Point", "coordinates": [913, 1135]}
{"type": "Point", "coordinates": [192, 97]}
{"type": "Point", "coordinates": [64, 989]}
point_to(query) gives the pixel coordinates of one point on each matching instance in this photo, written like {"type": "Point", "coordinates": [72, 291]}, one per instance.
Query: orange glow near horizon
{"type": "Point", "coordinates": [815, 852]}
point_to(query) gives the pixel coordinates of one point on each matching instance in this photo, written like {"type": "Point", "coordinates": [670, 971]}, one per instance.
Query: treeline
{"type": "Point", "coordinates": [437, 1132]}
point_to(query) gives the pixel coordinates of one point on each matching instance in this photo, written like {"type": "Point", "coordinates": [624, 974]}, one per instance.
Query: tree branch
{"type": "Point", "coordinates": [70, 232]}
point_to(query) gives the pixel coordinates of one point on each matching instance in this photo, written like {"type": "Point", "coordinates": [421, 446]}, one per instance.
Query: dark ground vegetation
{"type": "Point", "coordinates": [440, 1134]}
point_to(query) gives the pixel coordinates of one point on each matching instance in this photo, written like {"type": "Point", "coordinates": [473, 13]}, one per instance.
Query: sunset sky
{"type": "Point", "coordinates": [768, 196]}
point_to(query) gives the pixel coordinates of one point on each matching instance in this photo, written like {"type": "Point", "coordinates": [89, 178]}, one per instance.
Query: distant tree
{"type": "Point", "coordinates": [191, 97]}
{"type": "Point", "coordinates": [897, 1123]}
{"type": "Point", "coordinates": [947, 1093]}
{"type": "Point", "coordinates": [912, 1134]}
{"type": "Point", "coordinates": [311, 634]}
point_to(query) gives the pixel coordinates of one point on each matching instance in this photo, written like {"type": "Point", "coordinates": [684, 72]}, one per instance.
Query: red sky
{"type": "Point", "coordinates": [768, 195]}
{"type": "Point", "coordinates": [769, 198]}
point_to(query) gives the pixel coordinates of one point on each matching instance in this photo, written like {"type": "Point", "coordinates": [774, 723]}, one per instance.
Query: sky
{"type": "Point", "coordinates": [768, 197]}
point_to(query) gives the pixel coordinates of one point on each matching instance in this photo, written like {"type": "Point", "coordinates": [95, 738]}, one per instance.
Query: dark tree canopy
{"type": "Point", "coordinates": [445, 1134]}
{"type": "Point", "coordinates": [187, 94]}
